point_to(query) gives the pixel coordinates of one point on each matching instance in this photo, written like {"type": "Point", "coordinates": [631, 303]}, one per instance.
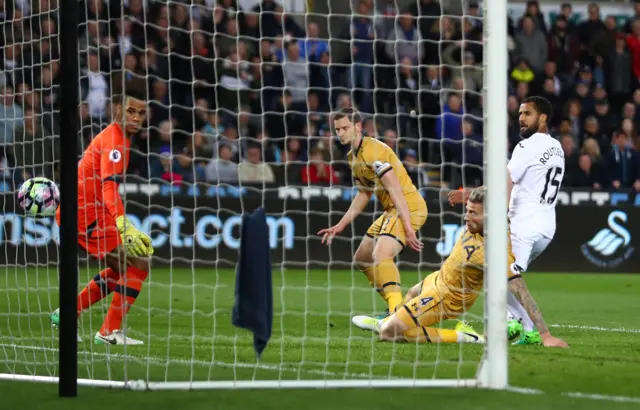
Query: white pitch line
{"type": "Point", "coordinates": [589, 396]}
{"type": "Point", "coordinates": [158, 360]}
{"type": "Point", "coordinates": [577, 395]}
{"type": "Point", "coordinates": [597, 328]}
{"type": "Point", "coordinates": [514, 389]}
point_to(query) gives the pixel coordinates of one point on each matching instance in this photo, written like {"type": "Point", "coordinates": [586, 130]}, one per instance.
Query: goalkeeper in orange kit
{"type": "Point", "coordinates": [104, 231]}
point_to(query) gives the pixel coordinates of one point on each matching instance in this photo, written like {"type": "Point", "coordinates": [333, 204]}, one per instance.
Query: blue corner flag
{"type": "Point", "coordinates": [253, 309]}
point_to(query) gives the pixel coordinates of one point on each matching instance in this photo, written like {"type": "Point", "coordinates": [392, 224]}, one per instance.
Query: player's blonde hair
{"type": "Point", "coordinates": [477, 195]}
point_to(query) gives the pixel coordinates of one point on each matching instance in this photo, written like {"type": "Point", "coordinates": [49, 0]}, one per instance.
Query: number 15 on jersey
{"type": "Point", "coordinates": [553, 179]}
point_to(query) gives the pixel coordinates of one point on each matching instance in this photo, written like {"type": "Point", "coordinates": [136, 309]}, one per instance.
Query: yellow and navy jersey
{"type": "Point", "coordinates": [461, 276]}
{"type": "Point", "coordinates": [370, 161]}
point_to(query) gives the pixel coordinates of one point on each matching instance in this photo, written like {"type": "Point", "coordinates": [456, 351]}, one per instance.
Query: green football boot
{"type": "Point", "coordinates": [55, 318]}
{"type": "Point", "coordinates": [55, 322]}
{"type": "Point", "coordinates": [529, 338]}
{"type": "Point", "coordinates": [514, 329]}
{"type": "Point", "coordinates": [383, 315]}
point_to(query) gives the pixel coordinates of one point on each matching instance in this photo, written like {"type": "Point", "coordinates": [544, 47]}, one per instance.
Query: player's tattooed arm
{"type": "Point", "coordinates": [520, 291]}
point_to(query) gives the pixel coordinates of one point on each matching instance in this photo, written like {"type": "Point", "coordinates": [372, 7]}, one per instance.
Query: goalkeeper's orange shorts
{"type": "Point", "coordinates": [99, 237]}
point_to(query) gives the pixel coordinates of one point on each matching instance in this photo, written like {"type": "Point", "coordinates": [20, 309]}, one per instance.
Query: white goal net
{"type": "Point", "coordinates": [240, 96]}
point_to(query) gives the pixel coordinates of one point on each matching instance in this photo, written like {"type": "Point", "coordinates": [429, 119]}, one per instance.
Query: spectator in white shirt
{"type": "Point", "coordinates": [253, 169]}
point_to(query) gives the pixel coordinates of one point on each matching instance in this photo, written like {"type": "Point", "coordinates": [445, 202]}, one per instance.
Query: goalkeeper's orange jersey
{"type": "Point", "coordinates": [106, 158]}
{"type": "Point", "coordinates": [461, 276]}
{"type": "Point", "coordinates": [370, 161]}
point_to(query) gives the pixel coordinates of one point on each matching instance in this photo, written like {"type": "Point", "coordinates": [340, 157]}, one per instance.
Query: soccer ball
{"type": "Point", "coordinates": [39, 197]}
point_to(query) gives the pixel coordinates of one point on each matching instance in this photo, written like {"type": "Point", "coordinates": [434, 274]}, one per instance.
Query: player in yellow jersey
{"type": "Point", "coordinates": [451, 291]}
{"type": "Point", "coordinates": [377, 169]}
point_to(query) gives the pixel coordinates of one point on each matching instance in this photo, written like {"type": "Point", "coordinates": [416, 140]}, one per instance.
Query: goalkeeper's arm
{"type": "Point", "coordinates": [136, 242]}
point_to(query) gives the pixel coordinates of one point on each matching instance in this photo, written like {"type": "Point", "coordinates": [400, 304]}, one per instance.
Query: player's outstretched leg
{"type": "Point", "coordinates": [125, 294]}
{"type": "Point", "coordinates": [396, 330]}
{"type": "Point", "coordinates": [97, 289]}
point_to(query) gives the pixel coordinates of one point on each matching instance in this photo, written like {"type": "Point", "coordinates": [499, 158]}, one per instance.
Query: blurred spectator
{"type": "Point", "coordinates": [582, 174]}
{"type": "Point", "coordinates": [623, 164]}
{"type": "Point", "coordinates": [164, 168]}
{"type": "Point", "coordinates": [34, 149]}
{"type": "Point", "coordinates": [566, 11]}
{"type": "Point", "coordinates": [361, 73]}
{"type": "Point", "coordinates": [125, 42]}
{"type": "Point", "coordinates": [628, 27]}
{"type": "Point", "coordinates": [531, 45]}
{"type": "Point", "coordinates": [11, 116]}
{"type": "Point", "coordinates": [569, 147]}
{"type": "Point", "coordinates": [222, 169]}
{"type": "Point", "coordinates": [292, 151]}
{"type": "Point", "coordinates": [296, 78]}
{"type": "Point", "coordinates": [449, 123]}
{"type": "Point", "coordinates": [605, 118]}
{"type": "Point", "coordinates": [472, 159]}
{"type": "Point", "coordinates": [522, 72]}
{"type": "Point", "coordinates": [619, 78]}
{"type": "Point", "coordinates": [591, 148]}
{"type": "Point", "coordinates": [403, 41]}
{"type": "Point", "coordinates": [407, 99]}
{"type": "Point", "coordinates": [233, 81]}
{"type": "Point", "coordinates": [462, 62]}
{"type": "Point", "coordinates": [390, 137]}
{"type": "Point", "coordinates": [564, 48]}
{"type": "Point", "coordinates": [95, 87]}
{"type": "Point", "coordinates": [427, 13]}
{"type": "Point", "coordinates": [593, 133]}
{"type": "Point", "coordinates": [189, 162]}
{"type": "Point", "coordinates": [533, 12]}
{"type": "Point", "coordinates": [282, 120]}
{"type": "Point", "coordinates": [253, 169]}
{"type": "Point", "coordinates": [590, 31]}
{"type": "Point", "coordinates": [417, 174]}
{"type": "Point", "coordinates": [573, 114]}
{"type": "Point", "coordinates": [318, 171]}
{"type": "Point", "coordinates": [385, 17]}
{"type": "Point", "coordinates": [629, 128]}
{"type": "Point", "coordinates": [312, 47]}
{"type": "Point", "coordinates": [633, 43]}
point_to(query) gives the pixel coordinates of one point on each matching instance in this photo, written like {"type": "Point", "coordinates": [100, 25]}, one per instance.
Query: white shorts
{"type": "Point", "coordinates": [527, 248]}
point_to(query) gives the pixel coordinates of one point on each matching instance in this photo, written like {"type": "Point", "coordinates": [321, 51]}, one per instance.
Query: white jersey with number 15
{"type": "Point", "coordinates": [536, 168]}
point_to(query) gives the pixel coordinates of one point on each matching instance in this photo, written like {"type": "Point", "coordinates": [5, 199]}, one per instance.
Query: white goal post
{"type": "Point", "coordinates": [183, 315]}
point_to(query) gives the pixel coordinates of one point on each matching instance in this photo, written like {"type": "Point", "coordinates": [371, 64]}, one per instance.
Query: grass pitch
{"type": "Point", "coordinates": [184, 316]}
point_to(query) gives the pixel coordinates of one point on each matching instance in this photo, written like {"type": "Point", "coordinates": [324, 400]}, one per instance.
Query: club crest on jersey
{"type": "Point", "coordinates": [115, 156]}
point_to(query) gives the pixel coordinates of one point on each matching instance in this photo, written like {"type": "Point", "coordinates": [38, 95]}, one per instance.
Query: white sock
{"type": "Point", "coordinates": [517, 311]}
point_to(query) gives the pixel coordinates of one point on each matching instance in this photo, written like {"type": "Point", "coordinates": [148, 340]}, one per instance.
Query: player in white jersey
{"type": "Point", "coordinates": [535, 174]}
{"type": "Point", "coordinates": [536, 168]}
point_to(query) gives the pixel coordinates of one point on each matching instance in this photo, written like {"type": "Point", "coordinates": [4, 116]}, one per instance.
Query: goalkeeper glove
{"type": "Point", "coordinates": [136, 242]}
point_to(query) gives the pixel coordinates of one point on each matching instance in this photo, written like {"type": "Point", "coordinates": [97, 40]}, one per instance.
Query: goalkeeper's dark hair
{"type": "Point", "coordinates": [477, 195]}
{"type": "Point", "coordinates": [123, 89]}
{"type": "Point", "coordinates": [349, 112]}
{"type": "Point", "coordinates": [541, 104]}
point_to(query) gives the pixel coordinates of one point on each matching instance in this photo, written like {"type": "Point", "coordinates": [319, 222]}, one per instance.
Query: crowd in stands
{"type": "Point", "coordinates": [246, 95]}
